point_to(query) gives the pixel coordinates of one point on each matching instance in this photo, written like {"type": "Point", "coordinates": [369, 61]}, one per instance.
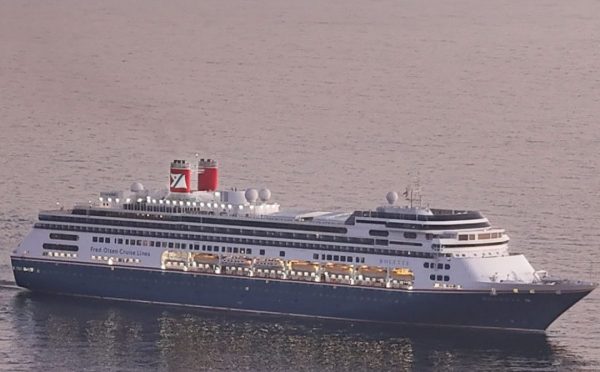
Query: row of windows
{"type": "Point", "coordinates": [406, 234]}
{"type": "Point", "coordinates": [209, 229]}
{"type": "Point", "coordinates": [210, 220]}
{"type": "Point", "coordinates": [438, 215]}
{"type": "Point", "coordinates": [480, 236]}
{"type": "Point", "coordinates": [210, 248]}
{"type": "Point", "coordinates": [237, 231]}
{"type": "Point", "coordinates": [439, 278]}
{"type": "Point", "coordinates": [432, 265]}
{"type": "Point", "coordinates": [434, 246]}
{"type": "Point", "coordinates": [339, 258]}
{"type": "Point", "coordinates": [402, 225]}
{"type": "Point", "coordinates": [394, 242]}
{"type": "Point", "coordinates": [60, 247]}
{"type": "Point", "coordinates": [414, 226]}
{"type": "Point", "coordinates": [116, 259]}
{"type": "Point", "coordinates": [59, 254]}
{"type": "Point", "coordinates": [379, 233]}
{"type": "Point", "coordinates": [483, 254]}
{"type": "Point", "coordinates": [225, 239]}
{"type": "Point", "coordinates": [178, 245]}
{"type": "Point", "coordinates": [64, 236]}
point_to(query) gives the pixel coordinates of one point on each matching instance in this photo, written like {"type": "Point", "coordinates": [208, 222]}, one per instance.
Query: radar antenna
{"type": "Point", "coordinates": [413, 192]}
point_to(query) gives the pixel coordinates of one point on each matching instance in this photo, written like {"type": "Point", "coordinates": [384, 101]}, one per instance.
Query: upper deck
{"type": "Point", "coordinates": [250, 207]}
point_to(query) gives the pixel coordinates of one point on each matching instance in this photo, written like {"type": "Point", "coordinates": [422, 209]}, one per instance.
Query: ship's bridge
{"type": "Point", "coordinates": [420, 214]}
{"type": "Point", "coordinates": [417, 218]}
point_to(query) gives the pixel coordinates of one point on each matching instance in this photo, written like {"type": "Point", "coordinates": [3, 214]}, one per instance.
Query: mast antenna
{"type": "Point", "coordinates": [413, 192]}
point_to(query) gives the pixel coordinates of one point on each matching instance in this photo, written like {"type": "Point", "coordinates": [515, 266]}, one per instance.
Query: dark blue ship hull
{"type": "Point", "coordinates": [460, 308]}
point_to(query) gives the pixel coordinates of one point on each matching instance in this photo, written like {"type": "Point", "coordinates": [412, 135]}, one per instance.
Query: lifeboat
{"type": "Point", "coordinates": [304, 266]}
{"type": "Point", "coordinates": [372, 271]}
{"type": "Point", "coordinates": [236, 261]}
{"type": "Point", "coordinates": [402, 274]}
{"type": "Point", "coordinates": [269, 263]}
{"type": "Point", "coordinates": [338, 269]}
{"type": "Point", "coordinates": [170, 258]}
{"type": "Point", "coordinates": [206, 258]}
{"type": "Point", "coordinates": [174, 255]}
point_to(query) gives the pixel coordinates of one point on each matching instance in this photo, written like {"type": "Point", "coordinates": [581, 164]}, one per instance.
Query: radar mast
{"type": "Point", "coordinates": [413, 192]}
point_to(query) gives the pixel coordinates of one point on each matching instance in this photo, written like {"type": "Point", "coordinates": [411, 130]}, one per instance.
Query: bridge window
{"type": "Point", "coordinates": [378, 233]}
{"type": "Point", "coordinates": [64, 237]}
{"type": "Point", "coordinates": [60, 247]}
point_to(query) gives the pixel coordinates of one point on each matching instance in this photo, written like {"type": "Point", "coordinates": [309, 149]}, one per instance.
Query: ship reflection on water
{"type": "Point", "coordinates": [67, 333]}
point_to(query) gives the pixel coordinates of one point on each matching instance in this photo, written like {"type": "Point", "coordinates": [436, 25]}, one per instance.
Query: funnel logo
{"type": "Point", "coordinates": [178, 181]}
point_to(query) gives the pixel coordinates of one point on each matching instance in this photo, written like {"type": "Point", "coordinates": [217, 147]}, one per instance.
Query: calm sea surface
{"type": "Point", "coordinates": [493, 105]}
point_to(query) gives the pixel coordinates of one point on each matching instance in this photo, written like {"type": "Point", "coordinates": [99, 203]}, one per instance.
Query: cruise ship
{"type": "Point", "coordinates": [192, 244]}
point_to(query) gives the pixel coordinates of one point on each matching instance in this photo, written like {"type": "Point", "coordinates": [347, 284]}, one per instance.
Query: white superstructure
{"type": "Point", "coordinates": [442, 249]}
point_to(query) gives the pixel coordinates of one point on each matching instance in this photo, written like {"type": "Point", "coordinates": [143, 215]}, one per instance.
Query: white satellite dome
{"type": "Point", "coordinates": [392, 197]}
{"type": "Point", "coordinates": [251, 195]}
{"type": "Point", "coordinates": [136, 187]}
{"type": "Point", "coordinates": [264, 194]}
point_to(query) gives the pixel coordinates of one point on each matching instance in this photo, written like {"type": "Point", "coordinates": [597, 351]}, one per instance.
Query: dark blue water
{"type": "Point", "coordinates": [494, 106]}
{"type": "Point", "coordinates": [69, 334]}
